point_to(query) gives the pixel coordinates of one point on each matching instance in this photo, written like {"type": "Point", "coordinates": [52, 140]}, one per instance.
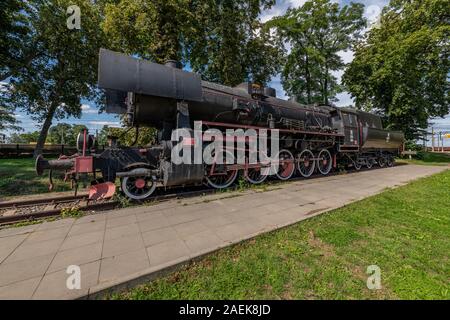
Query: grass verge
{"type": "Point", "coordinates": [404, 231]}
{"type": "Point", "coordinates": [18, 177]}
{"type": "Point", "coordinates": [429, 158]}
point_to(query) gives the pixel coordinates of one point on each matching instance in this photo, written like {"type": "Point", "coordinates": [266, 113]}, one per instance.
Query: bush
{"type": "Point", "coordinates": [413, 146]}
{"type": "Point", "coordinates": [420, 155]}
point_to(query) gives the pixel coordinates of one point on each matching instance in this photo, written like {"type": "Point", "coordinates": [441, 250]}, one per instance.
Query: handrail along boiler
{"type": "Point", "coordinates": [313, 138]}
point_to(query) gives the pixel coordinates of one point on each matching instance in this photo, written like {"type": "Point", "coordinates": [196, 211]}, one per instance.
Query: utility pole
{"type": "Point", "coordinates": [432, 139]}
{"type": "Point", "coordinates": [424, 140]}
{"type": "Point", "coordinates": [439, 142]}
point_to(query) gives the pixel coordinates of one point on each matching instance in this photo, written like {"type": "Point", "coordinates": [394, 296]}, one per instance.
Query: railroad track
{"type": "Point", "coordinates": [16, 211]}
{"type": "Point", "coordinates": [40, 201]}
{"type": "Point", "coordinates": [34, 209]}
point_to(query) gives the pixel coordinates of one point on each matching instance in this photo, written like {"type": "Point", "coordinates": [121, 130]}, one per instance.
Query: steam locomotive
{"type": "Point", "coordinates": [311, 138]}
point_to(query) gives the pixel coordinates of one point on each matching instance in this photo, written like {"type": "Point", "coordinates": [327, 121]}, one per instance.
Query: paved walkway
{"type": "Point", "coordinates": [129, 245]}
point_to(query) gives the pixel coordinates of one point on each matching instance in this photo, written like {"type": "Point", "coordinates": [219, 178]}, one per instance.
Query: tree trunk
{"type": "Point", "coordinates": [325, 86]}
{"type": "Point", "coordinates": [308, 80]}
{"type": "Point", "coordinates": [44, 130]}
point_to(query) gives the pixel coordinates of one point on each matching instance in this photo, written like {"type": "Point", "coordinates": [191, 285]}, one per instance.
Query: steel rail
{"type": "Point", "coordinates": [15, 204]}
{"type": "Point", "coordinates": [53, 213]}
{"type": "Point", "coordinates": [10, 219]}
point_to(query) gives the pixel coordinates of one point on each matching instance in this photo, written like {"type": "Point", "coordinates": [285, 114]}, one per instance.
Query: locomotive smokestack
{"type": "Point", "coordinates": [147, 78]}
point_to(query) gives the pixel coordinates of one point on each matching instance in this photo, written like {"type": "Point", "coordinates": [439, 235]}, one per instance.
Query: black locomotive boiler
{"type": "Point", "coordinates": [312, 138]}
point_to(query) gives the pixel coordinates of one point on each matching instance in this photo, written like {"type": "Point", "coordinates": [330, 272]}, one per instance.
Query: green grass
{"type": "Point", "coordinates": [404, 231]}
{"type": "Point", "coordinates": [18, 177]}
{"type": "Point", "coordinates": [429, 158]}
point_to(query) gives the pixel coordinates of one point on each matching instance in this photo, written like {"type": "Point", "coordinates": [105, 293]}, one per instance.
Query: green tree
{"type": "Point", "coordinates": [14, 52]}
{"type": "Point", "coordinates": [65, 72]}
{"type": "Point", "coordinates": [149, 29]}
{"type": "Point", "coordinates": [59, 134]}
{"type": "Point", "coordinates": [16, 38]}
{"type": "Point", "coordinates": [317, 32]}
{"type": "Point", "coordinates": [64, 133]}
{"type": "Point", "coordinates": [230, 45]}
{"type": "Point", "coordinates": [127, 137]}
{"type": "Point", "coordinates": [401, 70]}
{"type": "Point", "coordinates": [217, 38]}
{"type": "Point", "coordinates": [8, 120]}
{"type": "Point", "coordinates": [27, 137]}
{"type": "Point", "coordinates": [76, 129]}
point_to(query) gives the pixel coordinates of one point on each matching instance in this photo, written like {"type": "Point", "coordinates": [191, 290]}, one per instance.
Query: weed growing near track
{"type": "Point", "coordinates": [71, 212]}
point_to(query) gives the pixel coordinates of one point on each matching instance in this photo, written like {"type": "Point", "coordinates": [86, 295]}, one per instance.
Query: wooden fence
{"type": "Point", "coordinates": [23, 150]}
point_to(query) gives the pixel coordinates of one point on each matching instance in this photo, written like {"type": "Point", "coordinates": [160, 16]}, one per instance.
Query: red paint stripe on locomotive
{"type": "Point", "coordinates": [238, 126]}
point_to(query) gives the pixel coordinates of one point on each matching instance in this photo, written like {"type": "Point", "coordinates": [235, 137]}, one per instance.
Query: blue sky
{"type": "Point", "coordinates": [93, 120]}
{"type": "Point", "coordinates": [90, 118]}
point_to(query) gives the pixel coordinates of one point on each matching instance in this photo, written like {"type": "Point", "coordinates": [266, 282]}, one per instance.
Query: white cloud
{"type": "Point", "coordinates": [372, 13]}
{"type": "Point", "coordinates": [347, 56]}
{"type": "Point", "coordinates": [280, 8]}
{"type": "Point", "coordinates": [115, 124]}
{"type": "Point", "coordinates": [446, 118]}
{"type": "Point", "coordinates": [85, 108]}
{"type": "Point", "coordinates": [338, 74]}
{"type": "Point", "coordinates": [441, 123]}
{"type": "Point", "coordinates": [297, 3]}
{"type": "Point", "coordinates": [269, 14]}
{"type": "Point", "coordinates": [276, 84]}
{"type": "Point", "coordinates": [345, 99]}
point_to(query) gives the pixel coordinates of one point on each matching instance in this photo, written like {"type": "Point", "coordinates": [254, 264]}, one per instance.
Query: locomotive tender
{"type": "Point", "coordinates": [311, 137]}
